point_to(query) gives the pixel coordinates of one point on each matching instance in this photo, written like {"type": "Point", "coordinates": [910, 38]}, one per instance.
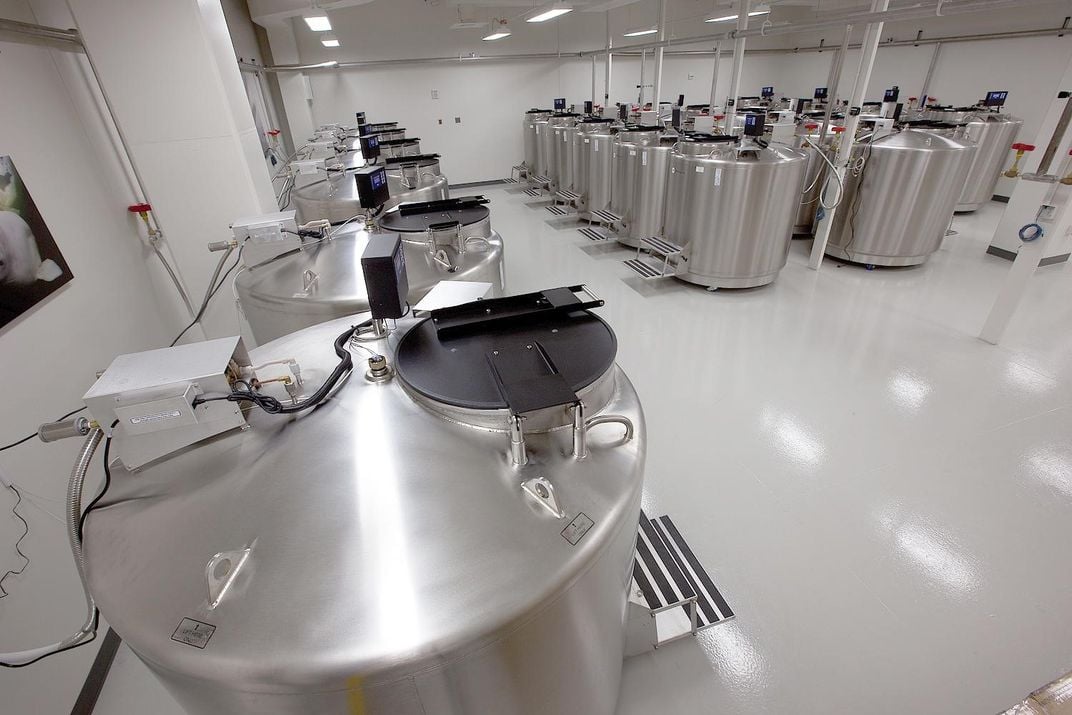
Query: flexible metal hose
{"type": "Point", "coordinates": [74, 516]}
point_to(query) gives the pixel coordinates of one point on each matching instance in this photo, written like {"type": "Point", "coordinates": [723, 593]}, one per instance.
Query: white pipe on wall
{"type": "Point", "coordinates": [714, 77]}
{"type": "Point", "coordinates": [738, 63]}
{"type": "Point", "coordinates": [610, 60]}
{"type": "Point", "coordinates": [657, 85]}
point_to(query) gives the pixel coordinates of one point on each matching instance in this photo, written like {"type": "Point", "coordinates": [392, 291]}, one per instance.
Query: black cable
{"type": "Point", "coordinates": [93, 637]}
{"type": "Point", "coordinates": [204, 305]}
{"type": "Point", "coordinates": [104, 490]}
{"type": "Point", "coordinates": [27, 438]}
{"type": "Point", "coordinates": [18, 542]}
{"type": "Point", "coordinates": [273, 406]}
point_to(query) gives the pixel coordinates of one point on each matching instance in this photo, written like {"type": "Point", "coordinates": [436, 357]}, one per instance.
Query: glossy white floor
{"type": "Point", "coordinates": [884, 500]}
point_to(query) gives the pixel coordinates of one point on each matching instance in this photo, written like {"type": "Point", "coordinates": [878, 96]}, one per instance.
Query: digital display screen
{"type": "Point", "coordinates": [360, 118]}
{"type": "Point", "coordinates": [753, 125]}
{"type": "Point", "coordinates": [767, 92]}
{"type": "Point", "coordinates": [373, 142]}
{"type": "Point", "coordinates": [560, 104]}
{"type": "Point", "coordinates": [996, 99]}
{"type": "Point", "coordinates": [891, 95]}
{"type": "Point", "coordinates": [364, 130]}
{"type": "Point", "coordinates": [820, 93]}
{"type": "Point", "coordinates": [378, 179]}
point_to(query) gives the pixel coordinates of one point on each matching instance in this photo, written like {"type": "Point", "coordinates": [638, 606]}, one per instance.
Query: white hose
{"type": "Point", "coordinates": [837, 176]}
{"type": "Point", "coordinates": [88, 631]}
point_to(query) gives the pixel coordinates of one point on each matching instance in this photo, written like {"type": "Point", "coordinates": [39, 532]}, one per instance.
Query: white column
{"type": "Point", "coordinates": [738, 64]}
{"type": "Point", "coordinates": [657, 85]}
{"type": "Point", "coordinates": [169, 72]}
{"type": "Point", "coordinates": [610, 61]}
{"type": "Point", "coordinates": [714, 77]}
{"type": "Point", "coordinates": [868, 51]}
{"type": "Point", "coordinates": [298, 107]}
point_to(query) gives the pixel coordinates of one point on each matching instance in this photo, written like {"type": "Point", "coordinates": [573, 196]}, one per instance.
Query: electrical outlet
{"type": "Point", "coordinates": [457, 120]}
{"type": "Point", "coordinates": [692, 76]}
{"type": "Point", "coordinates": [435, 94]}
{"type": "Point", "coordinates": [440, 121]}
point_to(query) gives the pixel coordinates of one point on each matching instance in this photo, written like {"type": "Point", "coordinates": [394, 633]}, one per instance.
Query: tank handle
{"type": "Point", "coordinates": [581, 425]}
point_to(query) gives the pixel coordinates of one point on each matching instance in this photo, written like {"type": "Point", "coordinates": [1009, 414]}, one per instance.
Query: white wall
{"type": "Point", "coordinates": [50, 354]}
{"type": "Point", "coordinates": [491, 96]}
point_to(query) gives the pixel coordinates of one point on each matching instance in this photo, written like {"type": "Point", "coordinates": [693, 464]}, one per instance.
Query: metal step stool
{"type": "Point", "coordinates": [656, 248]}
{"type": "Point", "coordinates": [604, 218]}
{"type": "Point", "coordinates": [557, 210]}
{"type": "Point", "coordinates": [671, 584]}
{"type": "Point", "coordinates": [594, 234]}
{"type": "Point", "coordinates": [534, 193]}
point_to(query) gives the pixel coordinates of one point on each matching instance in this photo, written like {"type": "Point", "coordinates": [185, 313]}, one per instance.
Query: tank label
{"type": "Point", "coordinates": [595, 148]}
{"type": "Point", "coordinates": [632, 152]}
{"type": "Point", "coordinates": [577, 528]}
{"type": "Point", "coordinates": [587, 141]}
{"type": "Point", "coordinates": [718, 177]}
{"type": "Point", "coordinates": [193, 633]}
{"type": "Point", "coordinates": [699, 169]}
{"type": "Point", "coordinates": [644, 159]}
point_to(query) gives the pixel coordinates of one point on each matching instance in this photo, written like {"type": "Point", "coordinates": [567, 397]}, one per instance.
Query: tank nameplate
{"type": "Point", "coordinates": [577, 528]}
{"type": "Point", "coordinates": [193, 633]}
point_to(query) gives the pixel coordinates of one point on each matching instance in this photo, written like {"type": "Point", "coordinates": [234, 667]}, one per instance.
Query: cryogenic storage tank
{"type": "Point", "coordinates": [993, 134]}
{"type": "Point", "coordinates": [644, 213]}
{"type": "Point", "coordinates": [410, 178]}
{"type": "Point", "coordinates": [897, 207]}
{"type": "Point", "coordinates": [626, 158]}
{"type": "Point", "coordinates": [528, 131]}
{"type": "Point", "coordinates": [547, 150]}
{"type": "Point", "coordinates": [400, 147]}
{"type": "Point", "coordinates": [814, 180]}
{"type": "Point", "coordinates": [562, 168]}
{"type": "Point", "coordinates": [600, 169]}
{"type": "Point", "coordinates": [731, 208]}
{"type": "Point", "coordinates": [381, 554]}
{"type": "Point", "coordinates": [584, 154]}
{"type": "Point", "coordinates": [324, 280]}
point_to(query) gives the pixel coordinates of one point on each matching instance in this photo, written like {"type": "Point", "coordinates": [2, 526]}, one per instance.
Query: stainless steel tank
{"type": "Point", "coordinates": [584, 154]}
{"type": "Point", "coordinates": [324, 280]}
{"type": "Point", "coordinates": [562, 172]}
{"type": "Point", "coordinates": [814, 181]}
{"type": "Point", "coordinates": [897, 207]}
{"type": "Point", "coordinates": [731, 207]}
{"type": "Point", "coordinates": [600, 170]}
{"type": "Point", "coordinates": [410, 178]}
{"type": "Point", "coordinates": [549, 144]}
{"type": "Point", "coordinates": [528, 132]}
{"type": "Point", "coordinates": [400, 147]}
{"type": "Point", "coordinates": [626, 159]}
{"type": "Point", "coordinates": [993, 134]}
{"type": "Point", "coordinates": [380, 554]}
{"type": "Point", "coordinates": [644, 214]}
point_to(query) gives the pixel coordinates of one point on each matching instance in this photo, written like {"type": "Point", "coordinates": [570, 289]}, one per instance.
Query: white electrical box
{"type": "Point", "coordinates": [145, 401]}
{"type": "Point", "coordinates": [649, 119]}
{"type": "Point", "coordinates": [703, 125]}
{"type": "Point", "coordinates": [266, 236]}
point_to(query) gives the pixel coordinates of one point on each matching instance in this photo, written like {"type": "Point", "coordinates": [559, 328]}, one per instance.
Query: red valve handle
{"type": "Point", "coordinates": [273, 132]}
{"type": "Point", "coordinates": [809, 127]}
{"type": "Point", "coordinates": [912, 99]}
{"type": "Point", "coordinates": [139, 208]}
{"type": "Point", "coordinates": [1020, 146]}
{"type": "Point", "coordinates": [839, 130]}
{"type": "Point", "coordinates": [720, 116]}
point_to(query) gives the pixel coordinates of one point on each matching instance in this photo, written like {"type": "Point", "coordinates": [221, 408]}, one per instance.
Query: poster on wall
{"type": "Point", "coordinates": [31, 265]}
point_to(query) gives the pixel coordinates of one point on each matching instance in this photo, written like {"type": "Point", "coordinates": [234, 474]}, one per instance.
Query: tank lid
{"type": "Point", "coordinates": [698, 106]}
{"type": "Point", "coordinates": [596, 120]}
{"type": "Point", "coordinates": [930, 124]}
{"type": "Point", "coordinates": [424, 159]}
{"type": "Point", "coordinates": [565, 114]}
{"type": "Point", "coordinates": [540, 355]}
{"type": "Point", "coordinates": [382, 125]}
{"type": "Point", "coordinates": [540, 111]}
{"type": "Point", "coordinates": [400, 142]}
{"type": "Point", "coordinates": [643, 128]}
{"type": "Point", "coordinates": [699, 138]}
{"type": "Point", "coordinates": [418, 217]}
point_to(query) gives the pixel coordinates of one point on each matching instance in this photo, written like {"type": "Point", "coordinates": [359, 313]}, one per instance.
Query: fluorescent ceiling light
{"type": "Point", "coordinates": [317, 22]}
{"type": "Point", "coordinates": [329, 41]}
{"type": "Point", "coordinates": [754, 13]}
{"type": "Point", "coordinates": [643, 31]}
{"type": "Point", "coordinates": [550, 12]}
{"type": "Point", "coordinates": [499, 30]}
{"type": "Point", "coordinates": [329, 63]}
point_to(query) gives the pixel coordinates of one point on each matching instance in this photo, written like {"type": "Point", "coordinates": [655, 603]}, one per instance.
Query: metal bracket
{"type": "Point", "coordinates": [221, 570]}
{"type": "Point", "coordinates": [544, 493]}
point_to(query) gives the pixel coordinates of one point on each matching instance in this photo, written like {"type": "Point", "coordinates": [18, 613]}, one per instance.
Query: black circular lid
{"type": "Point", "coordinates": [400, 142]}
{"type": "Point", "coordinates": [391, 130]}
{"type": "Point", "coordinates": [540, 111]}
{"type": "Point", "coordinates": [929, 124]}
{"type": "Point", "coordinates": [566, 114]}
{"type": "Point", "coordinates": [596, 120]}
{"type": "Point", "coordinates": [643, 128]}
{"type": "Point", "coordinates": [419, 223]}
{"type": "Point", "coordinates": [705, 138]}
{"type": "Point", "coordinates": [457, 370]}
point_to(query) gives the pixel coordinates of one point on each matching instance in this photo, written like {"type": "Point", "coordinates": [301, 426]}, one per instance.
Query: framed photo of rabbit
{"type": "Point", "coordinates": [31, 265]}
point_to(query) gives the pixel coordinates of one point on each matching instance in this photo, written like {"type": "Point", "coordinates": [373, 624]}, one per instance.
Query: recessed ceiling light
{"type": "Point", "coordinates": [317, 22]}
{"type": "Point", "coordinates": [329, 41]}
{"type": "Point", "coordinates": [499, 30]}
{"type": "Point", "coordinates": [725, 18]}
{"type": "Point", "coordinates": [642, 31]}
{"type": "Point", "coordinates": [550, 12]}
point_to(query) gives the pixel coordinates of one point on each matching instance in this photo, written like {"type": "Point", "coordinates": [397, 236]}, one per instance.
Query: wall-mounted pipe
{"type": "Point", "coordinates": [930, 74]}
{"type": "Point", "coordinates": [730, 110]}
{"type": "Point", "coordinates": [610, 60]}
{"type": "Point", "coordinates": [657, 84]}
{"type": "Point", "coordinates": [28, 33]}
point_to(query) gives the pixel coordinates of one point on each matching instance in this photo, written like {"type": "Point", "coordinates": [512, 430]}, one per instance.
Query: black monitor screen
{"type": "Point", "coordinates": [996, 99]}
{"type": "Point", "coordinates": [753, 125]}
{"type": "Point", "coordinates": [820, 93]}
{"type": "Point", "coordinates": [560, 104]}
{"type": "Point", "coordinates": [379, 179]}
{"type": "Point", "coordinates": [891, 95]}
{"type": "Point", "coordinates": [767, 91]}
